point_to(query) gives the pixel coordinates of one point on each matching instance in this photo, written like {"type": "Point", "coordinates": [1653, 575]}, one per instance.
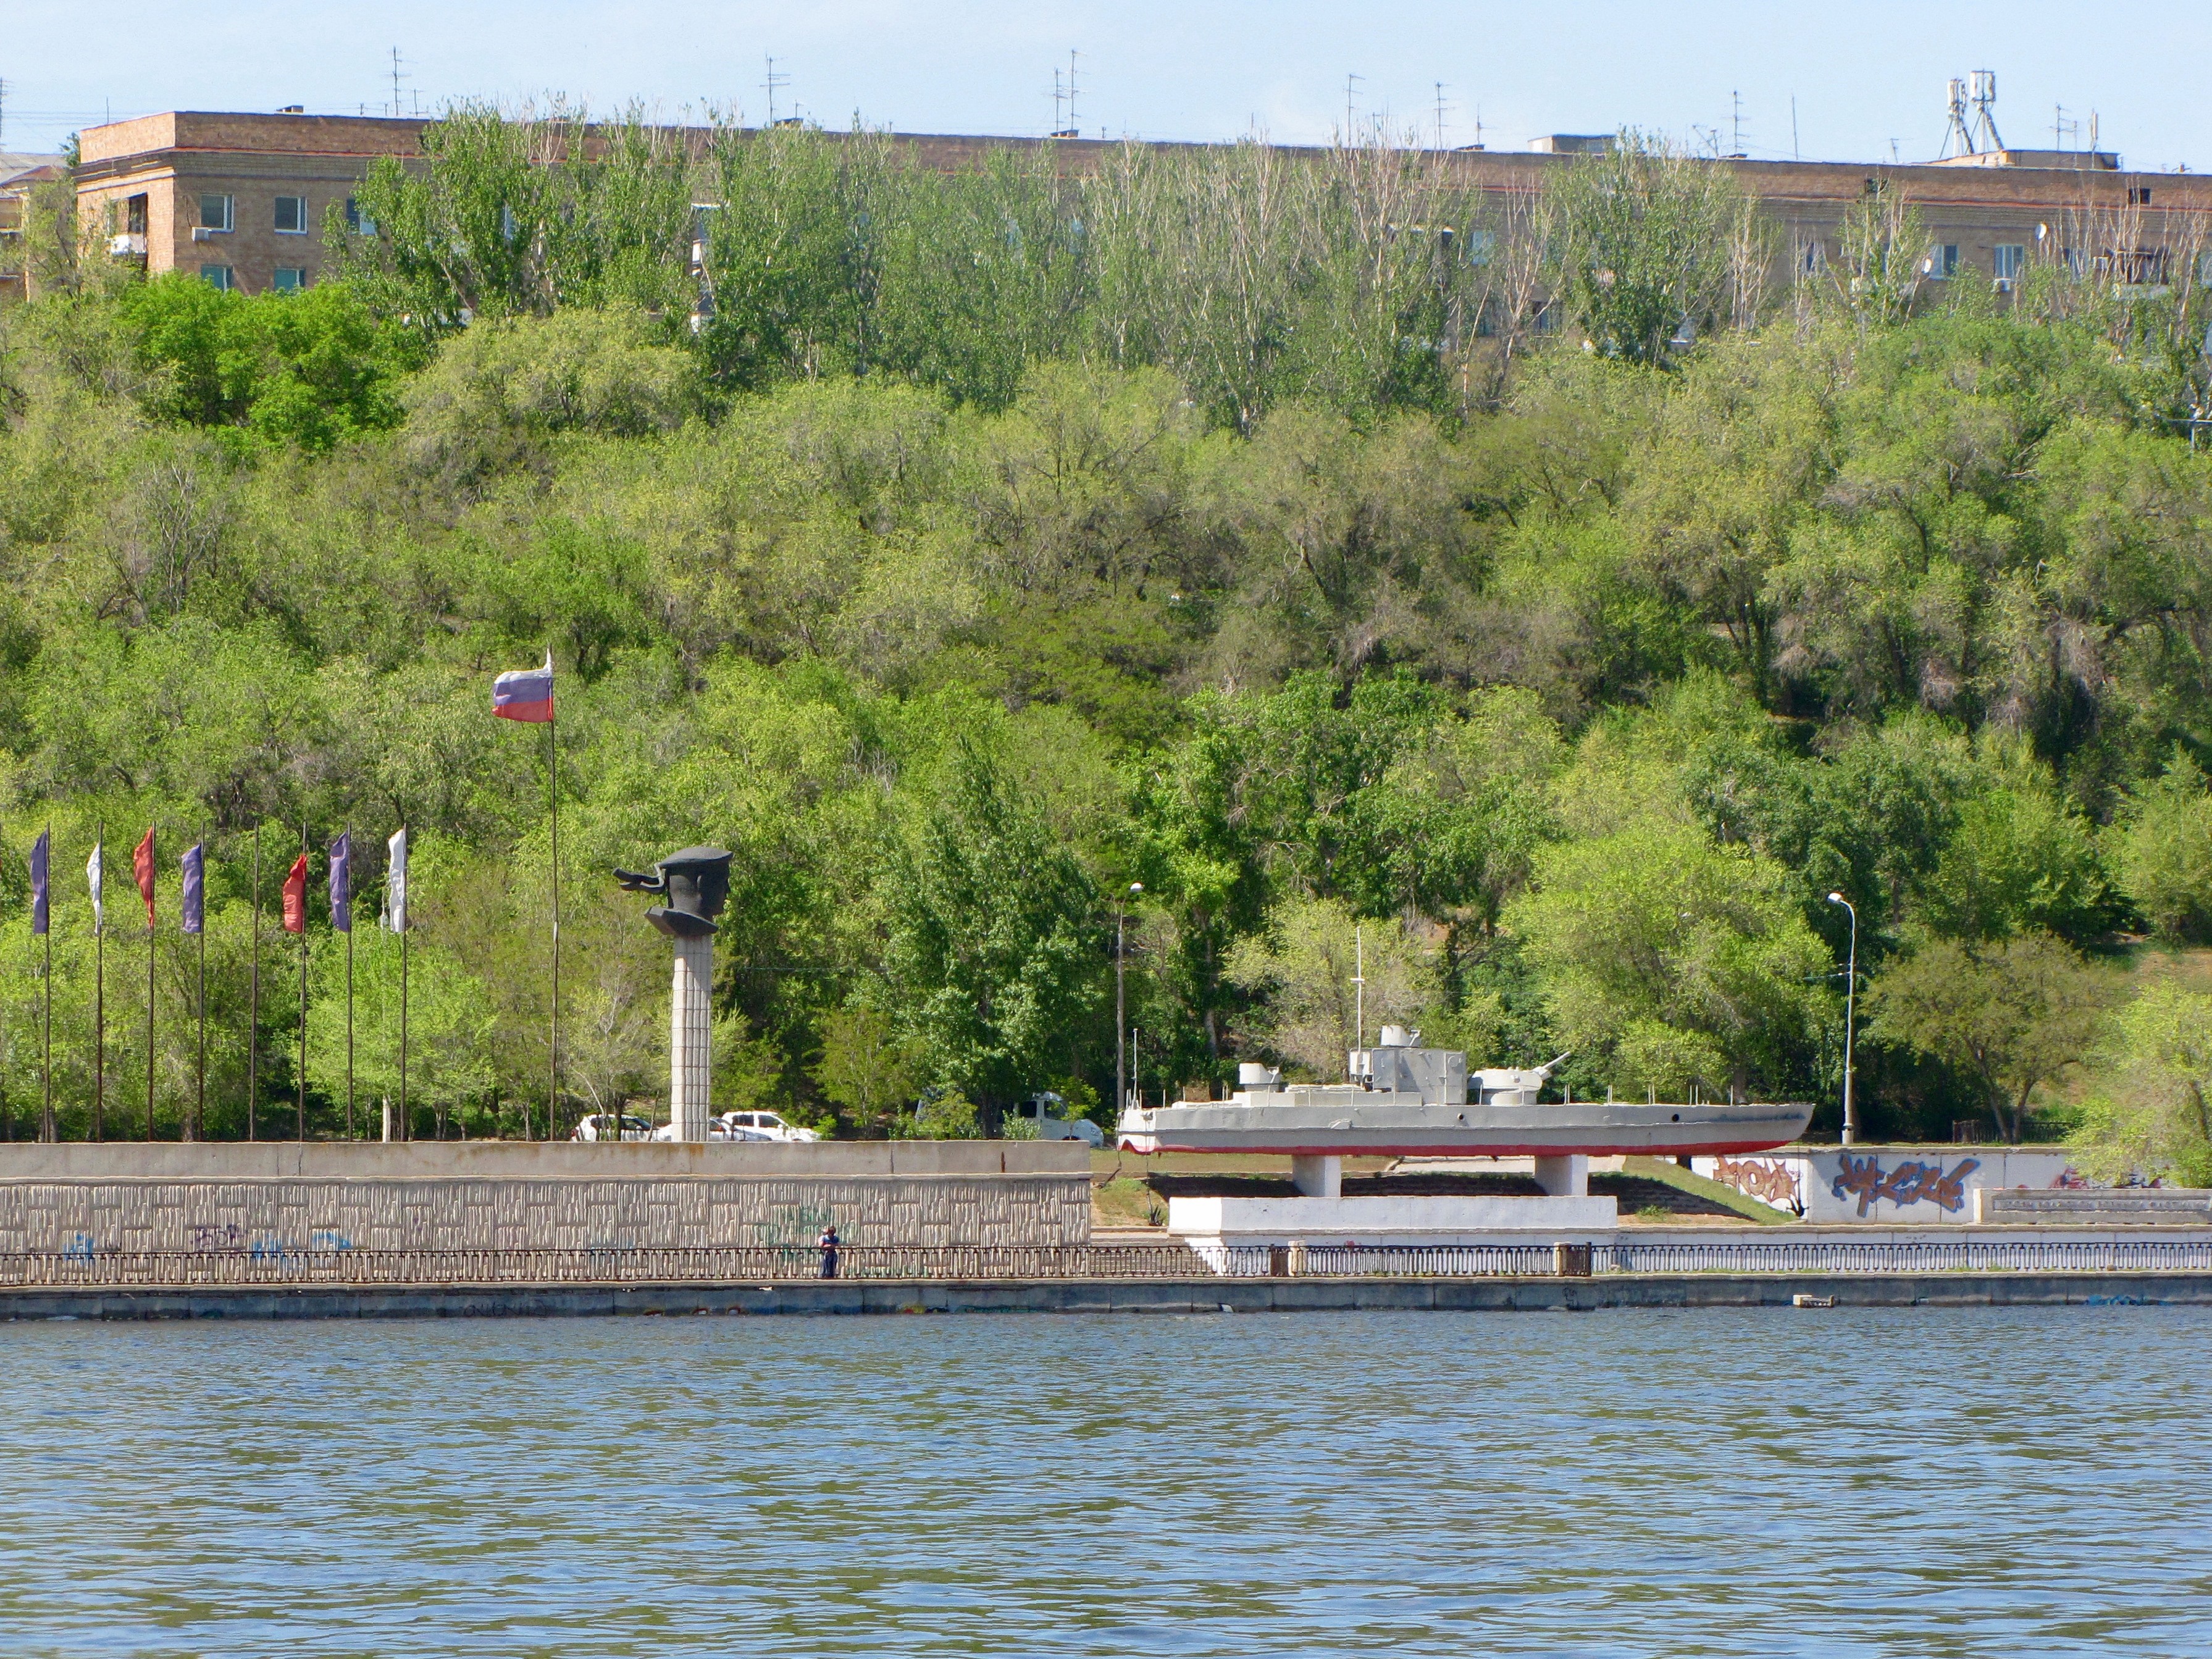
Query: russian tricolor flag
{"type": "Point", "coordinates": [524, 694]}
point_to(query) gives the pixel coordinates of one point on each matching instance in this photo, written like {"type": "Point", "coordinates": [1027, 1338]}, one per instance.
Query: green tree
{"type": "Point", "coordinates": [1677, 961]}
{"type": "Point", "coordinates": [2154, 1114]}
{"type": "Point", "coordinates": [2166, 852]}
{"type": "Point", "coordinates": [992, 959]}
{"type": "Point", "coordinates": [1641, 245]}
{"type": "Point", "coordinates": [2012, 1015]}
{"type": "Point", "coordinates": [863, 1068]}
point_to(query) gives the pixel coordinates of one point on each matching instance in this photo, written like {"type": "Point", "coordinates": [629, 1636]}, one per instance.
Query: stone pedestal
{"type": "Point", "coordinates": [1565, 1176]}
{"type": "Point", "coordinates": [690, 1036]}
{"type": "Point", "coordinates": [1318, 1176]}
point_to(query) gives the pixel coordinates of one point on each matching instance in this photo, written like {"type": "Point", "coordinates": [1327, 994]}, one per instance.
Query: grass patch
{"type": "Point", "coordinates": [1673, 1174]}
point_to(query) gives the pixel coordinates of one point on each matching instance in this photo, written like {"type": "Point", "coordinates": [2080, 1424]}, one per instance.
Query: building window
{"type": "Point", "coordinates": [357, 221]}
{"type": "Point", "coordinates": [215, 212]}
{"type": "Point", "coordinates": [134, 215]}
{"type": "Point", "coordinates": [222, 277]}
{"type": "Point", "coordinates": [288, 279]}
{"type": "Point", "coordinates": [1943, 261]}
{"type": "Point", "coordinates": [291, 215]}
{"type": "Point", "coordinates": [2007, 258]}
{"type": "Point", "coordinates": [2139, 196]}
{"type": "Point", "coordinates": [1812, 257]}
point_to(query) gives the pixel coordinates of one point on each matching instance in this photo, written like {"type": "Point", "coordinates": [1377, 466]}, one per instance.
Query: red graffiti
{"type": "Point", "coordinates": [1908, 1183]}
{"type": "Point", "coordinates": [1772, 1183]}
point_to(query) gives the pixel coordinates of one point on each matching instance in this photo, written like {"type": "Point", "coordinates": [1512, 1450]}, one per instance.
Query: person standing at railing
{"type": "Point", "coordinates": [827, 1243]}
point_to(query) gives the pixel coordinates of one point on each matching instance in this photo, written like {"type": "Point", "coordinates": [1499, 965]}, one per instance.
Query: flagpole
{"type": "Point", "coordinates": [149, 997]}
{"type": "Point", "coordinates": [100, 993]}
{"type": "Point", "coordinates": [253, 998]}
{"type": "Point", "coordinates": [199, 1095]}
{"type": "Point", "coordinates": [405, 1126]}
{"type": "Point", "coordinates": [553, 813]}
{"type": "Point", "coordinates": [302, 1080]}
{"type": "Point", "coordinates": [346, 835]}
{"type": "Point", "coordinates": [48, 1131]}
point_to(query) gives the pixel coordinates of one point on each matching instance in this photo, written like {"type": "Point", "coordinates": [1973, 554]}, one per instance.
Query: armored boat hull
{"type": "Point", "coordinates": [1343, 1121]}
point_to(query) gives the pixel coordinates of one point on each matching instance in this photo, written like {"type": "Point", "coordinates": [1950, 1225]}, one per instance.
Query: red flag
{"type": "Point", "coordinates": [295, 897]}
{"type": "Point", "coordinates": [141, 862]}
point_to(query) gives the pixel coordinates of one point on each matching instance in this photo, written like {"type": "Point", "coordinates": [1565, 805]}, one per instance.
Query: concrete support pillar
{"type": "Point", "coordinates": [1318, 1177]}
{"type": "Point", "coordinates": [1565, 1176]}
{"type": "Point", "coordinates": [691, 1027]}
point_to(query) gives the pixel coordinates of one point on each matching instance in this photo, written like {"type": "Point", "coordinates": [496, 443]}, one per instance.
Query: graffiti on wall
{"type": "Point", "coordinates": [1771, 1182]}
{"type": "Point", "coordinates": [1908, 1183]}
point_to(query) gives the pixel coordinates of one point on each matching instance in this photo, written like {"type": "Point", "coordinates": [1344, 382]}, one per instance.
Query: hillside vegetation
{"type": "Point", "coordinates": [1570, 680]}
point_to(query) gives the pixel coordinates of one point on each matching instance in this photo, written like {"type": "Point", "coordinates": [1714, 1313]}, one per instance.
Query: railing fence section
{"type": "Point", "coordinates": [272, 1264]}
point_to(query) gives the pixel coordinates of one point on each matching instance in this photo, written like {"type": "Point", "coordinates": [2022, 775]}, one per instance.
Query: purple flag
{"type": "Point", "coordinates": [196, 888]}
{"type": "Point", "coordinates": [342, 883]}
{"type": "Point", "coordinates": [39, 851]}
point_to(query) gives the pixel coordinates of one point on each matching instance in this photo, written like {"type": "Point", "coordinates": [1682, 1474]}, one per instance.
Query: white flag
{"type": "Point", "coordinates": [92, 873]}
{"type": "Point", "coordinates": [395, 902]}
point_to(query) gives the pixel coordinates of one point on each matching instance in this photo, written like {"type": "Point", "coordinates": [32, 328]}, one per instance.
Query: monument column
{"type": "Point", "coordinates": [690, 1034]}
{"type": "Point", "coordinates": [696, 884]}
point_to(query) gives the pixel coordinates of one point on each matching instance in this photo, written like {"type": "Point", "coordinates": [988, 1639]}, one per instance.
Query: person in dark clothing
{"type": "Point", "coordinates": [827, 1245]}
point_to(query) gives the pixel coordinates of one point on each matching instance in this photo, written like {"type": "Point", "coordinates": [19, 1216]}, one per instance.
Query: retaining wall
{"type": "Point", "coordinates": [283, 1199]}
{"type": "Point", "coordinates": [1887, 1184]}
{"type": "Point", "coordinates": [1241, 1295]}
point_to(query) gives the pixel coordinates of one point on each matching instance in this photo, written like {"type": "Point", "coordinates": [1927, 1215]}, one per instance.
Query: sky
{"type": "Point", "coordinates": [1853, 80]}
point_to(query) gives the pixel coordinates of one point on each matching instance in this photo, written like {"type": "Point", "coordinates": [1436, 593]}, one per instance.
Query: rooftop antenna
{"type": "Point", "coordinates": [1985, 100]}
{"type": "Point", "coordinates": [1440, 115]}
{"type": "Point", "coordinates": [1349, 81]}
{"type": "Point", "coordinates": [2060, 128]}
{"type": "Point", "coordinates": [1074, 126]}
{"type": "Point", "coordinates": [1478, 127]}
{"type": "Point", "coordinates": [397, 107]}
{"type": "Point", "coordinates": [2093, 129]}
{"type": "Point", "coordinates": [774, 85]}
{"type": "Point", "coordinates": [1796, 155]}
{"type": "Point", "coordinates": [1735, 149]}
{"type": "Point", "coordinates": [1955, 132]}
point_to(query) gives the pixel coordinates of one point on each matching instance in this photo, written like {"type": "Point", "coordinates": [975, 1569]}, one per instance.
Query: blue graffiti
{"type": "Point", "coordinates": [81, 1248]}
{"type": "Point", "coordinates": [328, 1241]}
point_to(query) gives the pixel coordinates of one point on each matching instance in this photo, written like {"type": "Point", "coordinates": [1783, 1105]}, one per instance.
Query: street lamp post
{"type": "Point", "coordinates": [1121, 1003]}
{"type": "Point", "coordinates": [1851, 1012]}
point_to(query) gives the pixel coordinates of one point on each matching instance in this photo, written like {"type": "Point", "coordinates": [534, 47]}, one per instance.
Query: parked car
{"type": "Point", "coordinates": [716, 1130]}
{"type": "Point", "coordinates": [1043, 1109]}
{"type": "Point", "coordinates": [765, 1126]}
{"type": "Point", "coordinates": [599, 1126]}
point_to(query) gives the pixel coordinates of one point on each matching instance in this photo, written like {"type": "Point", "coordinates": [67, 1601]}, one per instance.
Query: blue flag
{"type": "Point", "coordinates": [40, 849]}
{"type": "Point", "coordinates": [342, 883]}
{"type": "Point", "coordinates": [196, 888]}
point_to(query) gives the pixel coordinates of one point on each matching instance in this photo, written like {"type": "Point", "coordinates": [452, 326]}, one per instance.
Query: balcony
{"type": "Point", "coordinates": [131, 245]}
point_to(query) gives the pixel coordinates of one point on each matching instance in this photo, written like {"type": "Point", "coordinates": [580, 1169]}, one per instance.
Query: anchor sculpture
{"type": "Point", "coordinates": [695, 884]}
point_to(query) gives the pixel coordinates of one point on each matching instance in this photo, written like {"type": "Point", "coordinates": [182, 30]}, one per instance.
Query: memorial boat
{"type": "Point", "coordinates": [1404, 1100]}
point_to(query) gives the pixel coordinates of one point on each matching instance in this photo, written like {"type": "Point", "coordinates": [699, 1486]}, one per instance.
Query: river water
{"type": "Point", "coordinates": [1914, 1482]}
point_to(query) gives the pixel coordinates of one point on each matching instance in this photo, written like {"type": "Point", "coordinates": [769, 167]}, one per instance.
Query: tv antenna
{"type": "Point", "coordinates": [774, 85]}
{"type": "Point", "coordinates": [1349, 80]}
{"type": "Point", "coordinates": [1440, 115]}
{"type": "Point", "coordinates": [398, 107]}
{"type": "Point", "coordinates": [2060, 128]}
{"type": "Point", "coordinates": [1736, 118]}
{"type": "Point", "coordinates": [1065, 126]}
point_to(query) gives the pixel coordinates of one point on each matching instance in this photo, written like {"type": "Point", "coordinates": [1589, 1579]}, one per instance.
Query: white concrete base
{"type": "Point", "coordinates": [1319, 1177]}
{"type": "Point", "coordinates": [1565, 1176]}
{"type": "Point", "coordinates": [1394, 1220]}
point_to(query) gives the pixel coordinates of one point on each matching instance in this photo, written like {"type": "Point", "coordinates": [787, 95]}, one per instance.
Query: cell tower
{"type": "Point", "coordinates": [1978, 135]}
{"type": "Point", "coordinates": [1985, 121]}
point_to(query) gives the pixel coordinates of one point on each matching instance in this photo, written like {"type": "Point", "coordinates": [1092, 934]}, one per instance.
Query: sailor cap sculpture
{"type": "Point", "coordinates": [695, 885]}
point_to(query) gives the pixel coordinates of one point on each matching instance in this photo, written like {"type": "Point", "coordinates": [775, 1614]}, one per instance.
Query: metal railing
{"type": "Point", "coordinates": [763, 1264]}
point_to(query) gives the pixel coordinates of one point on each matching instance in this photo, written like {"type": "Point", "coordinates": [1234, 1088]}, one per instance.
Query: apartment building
{"type": "Point", "coordinates": [240, 199]}
{"type": "Point", "coordinates": [20, 174]}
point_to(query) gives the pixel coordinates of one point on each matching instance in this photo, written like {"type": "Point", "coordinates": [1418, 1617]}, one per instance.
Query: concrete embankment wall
{"type": "Point", "coordinates": [289, 1198]}
{"type": "Point", "coordinates": [1181, 1295]}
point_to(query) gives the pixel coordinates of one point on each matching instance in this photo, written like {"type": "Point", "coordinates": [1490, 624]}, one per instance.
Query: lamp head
{"type": "Point", "coordinates": [1836, 898]}
{"type": "Point", "coordinates": [1136, 887]}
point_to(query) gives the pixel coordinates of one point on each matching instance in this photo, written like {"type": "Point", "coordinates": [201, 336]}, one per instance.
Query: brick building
{"type": "Point", "coordinates": [240, 199]}
{"type": "Point", "coordinates": [20, 175]}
